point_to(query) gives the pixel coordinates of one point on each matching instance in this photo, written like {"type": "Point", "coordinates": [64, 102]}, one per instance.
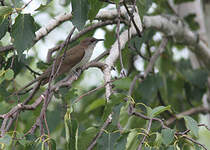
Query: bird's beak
{"type": "Point", "coordinates": [99, 40]}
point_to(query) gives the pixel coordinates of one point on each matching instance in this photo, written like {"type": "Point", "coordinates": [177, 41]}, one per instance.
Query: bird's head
{"type": "Point", "coordinates": [90, 41]}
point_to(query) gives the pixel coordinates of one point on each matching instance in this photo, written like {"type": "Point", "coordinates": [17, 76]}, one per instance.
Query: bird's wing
{"type": "Point", "coordinates": [68, 63]}
{"type": "Point", "coordinates": [74, 56]}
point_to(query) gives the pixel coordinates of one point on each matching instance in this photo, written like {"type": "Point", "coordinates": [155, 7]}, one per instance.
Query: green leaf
{"type": "Point", "coordinates": [116, 114]}
{"type": "Point", "coordinates": [127, 60]}
{"type": "Point", "coordinates": [132, 140]}
{"type": "Point", "coordinates": [30, 137]}
{"type": "Point", "coordinates": [114, 101]}
{"type": "Point", "coordinates": [4, 22]}
{"type": "Point", "coordinates": [192, 125]}
{"type": "Point", "coordinates": [107, 141]}
{"type": "Point", "coordinates": [70, 96]}
{"type": "Point", "coordinates": [86, 137]}
{"type": "Point", "coordinates": [80, 11]}
{"type": "Point", "coordinates": [6, 140]}
{"type": "Point", "coordinates": [2, 78]}
{"type": "Point", "coordinates": [5, 10]}
{"type": "Point", "coordinates": [95, 6]}
{"type": "Point", "coordinates": [156, 111]}
{"type": "Point", "coordinates": [196, 77]}
{"type": "Point", "coordinates": [171, 147]}
{"type": "Point", "coordinates": [23, 32]}
{"type": "Point", "coordinates": [22, 140]}
{"type": "Point", "coordinates": [123, 83]}
{"type": "Point", "coordinates": [148, 88]}
{"type": "Point", "coordinates": [9, 74]}
{"type": "Point", "coordinates": [167, 136]}
{"type": "Point", "coordinates": [197, 147]}
{"type": "Point", "coordinates": [95, 104]}
{"type": "Point", "coordinates": [3, 91]}
{"type": "Point", "coordinates": [45, 7]}
{"type": "Point", "coordinates": [121, 142]}
{"type": "Point", "coordinates": [158, 139]}
{"type": "Point", "coordinates": [146, 148]}
{"type": "Point", "coordinates": [193, 92]}
{"type": "Point", "coordinates": [124, 116]}
{"type": "Point", "coordinates": [42, 65]}
{"type": "Point", "coordinates": [116, 1]}
{"type": "Point", "coordinates": [183, 65]}
{"type": "Point", "coordinates": [193, 24]}
{"type": "Point", "coordinates": [147, 36]}
{"type": "Point", "coordinates": [52, 144]}
{"type": "Point", "coordinates": [149, 110]}
{"type": "Point", "coordinates": [71, 128]}
{"type": "Point", "coordinates": [37, 146]}
{"type": "Point", "coordinates": [17, 3]}
{"type": "Point", "coordinates": [109, 37]}
{"type": "Point", "coordinates": [166, 63]}
{"type": "Point", "coordinates": [143, 6]}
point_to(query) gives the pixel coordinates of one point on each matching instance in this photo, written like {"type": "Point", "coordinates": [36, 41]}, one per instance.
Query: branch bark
{"type": "Point", "coordinates": [114, 51]}
{"type": "Point", "coordinates": [175, 27]}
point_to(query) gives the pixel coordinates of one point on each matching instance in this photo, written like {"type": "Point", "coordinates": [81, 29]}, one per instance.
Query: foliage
{"type": "Point", "coordinates": [171, 88]}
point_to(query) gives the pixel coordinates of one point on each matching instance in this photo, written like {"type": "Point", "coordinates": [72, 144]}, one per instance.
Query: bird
{"type": "Point", "coordinates": [74, 58]}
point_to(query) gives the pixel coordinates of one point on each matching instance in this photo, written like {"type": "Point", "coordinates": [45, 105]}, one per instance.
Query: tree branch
{"type": "Point", "coordinates": [191, 111]}
{"type": "Point", "coordinates": [107, 122]}
{"type": "Point", "coordinates": [175, 27]}
{"type": "Point", "coordinates": [44, 30]}
{"type": "Point", "coordinates": [114, 52]}
{"type": "Point", "coordinates": [82, 32]}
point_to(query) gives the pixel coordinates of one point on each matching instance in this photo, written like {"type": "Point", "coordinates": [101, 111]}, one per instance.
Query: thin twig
{"type": "Point", "coordinates": [132, 85]}
{"type": "Point", "coordinates": [147, 118]}
{"type": "Point", "coordinates": [55, 22]}
{"type": "Point", "coordinates": [13, 113]}
{"type": "Point", "coordinates": [187, 112]}
{"type": "Point", "coordinates": [144, 138]}
{"type": "Point", "coordinates": [46, 125]}
{"type": "Point", "coordinates": [107, 122]}
{"type": "Point", "coordinates": [63, 45]}
{"type": "Point", "coordinates": [31, 70]}
{"type": "Point", "coordinates": [4, 123]}
{"type": "Point", "coordinates": [132, 18]}
{"type": "Point", "coordinates": [66, 82]}
{"type": "Point", "coordinates": [53, 74]}
{"type": "Point", "coordinates": [158, 52]}
{"type": "Point", "coordinates": [12, 62]}
{"type": "Point", "coordinates": [26, 5]}
{"type": "Point", "coordinates": [56, 69]}
{"type": "Point", "coordinates": [134, 48]}
{"type": "Point", "coordinates": [122, 73]}
{"type": "Point", "coordinates": [34, 90]}
{"type": "Point", "coordinates": [194, 141]}
{"type": "Point", "coordinates": [200, 125]}
{"type": "Point", "coordinates": [93, 90]}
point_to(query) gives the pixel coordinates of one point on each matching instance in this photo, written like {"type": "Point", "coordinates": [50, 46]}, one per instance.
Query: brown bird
{"type": "Point", "coordinates": [75, 58]}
